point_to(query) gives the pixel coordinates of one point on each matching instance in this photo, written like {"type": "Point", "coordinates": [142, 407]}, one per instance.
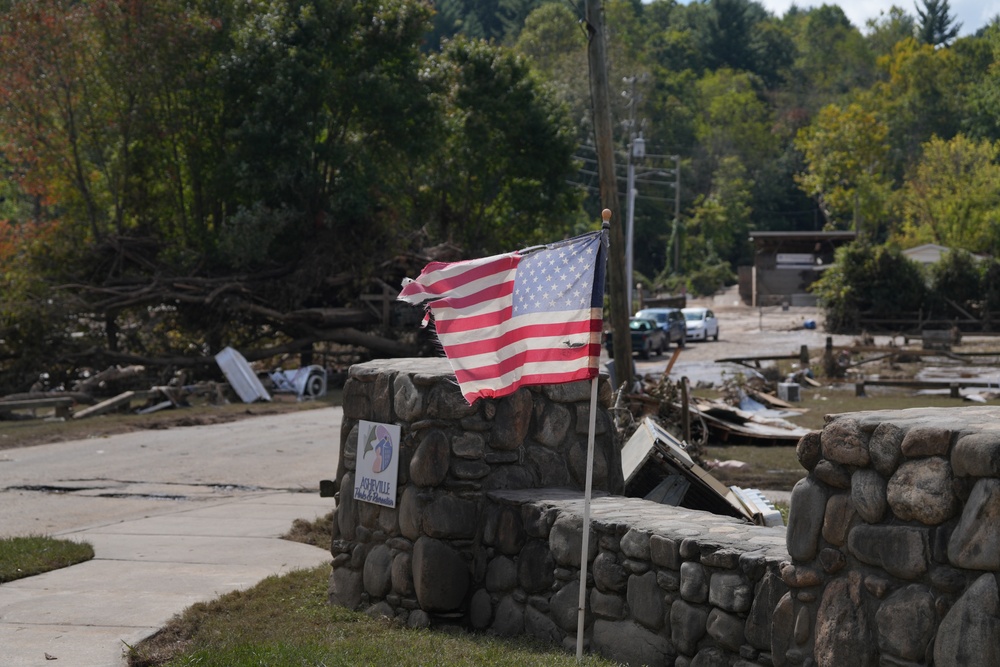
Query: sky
{"type": "Point", "coordinates": [972, 14]}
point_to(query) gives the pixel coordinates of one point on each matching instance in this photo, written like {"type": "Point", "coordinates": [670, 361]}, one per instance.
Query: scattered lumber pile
{"type": "Point", "coordinates": [89, 397]}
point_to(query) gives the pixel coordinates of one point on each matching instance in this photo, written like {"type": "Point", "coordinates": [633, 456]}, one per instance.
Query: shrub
{"type": "Point", "coordinates": [869, 279]}
{"type": "Point", "coordinates": [957, 279]}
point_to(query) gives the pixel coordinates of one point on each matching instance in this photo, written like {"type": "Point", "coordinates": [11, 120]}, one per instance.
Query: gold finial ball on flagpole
{"type": "Point", "coordinates": [606, 214]}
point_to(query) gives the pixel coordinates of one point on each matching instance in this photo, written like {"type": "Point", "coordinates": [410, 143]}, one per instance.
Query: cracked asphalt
{"type": "Point", "coordinates": [49, 489]}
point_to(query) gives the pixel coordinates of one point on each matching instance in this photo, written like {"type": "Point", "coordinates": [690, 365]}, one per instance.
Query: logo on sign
{"type": "Point", "coordinates": [379, 442]}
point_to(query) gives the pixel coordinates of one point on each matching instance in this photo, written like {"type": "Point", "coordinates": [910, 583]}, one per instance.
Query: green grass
{"type": "Point", "coordinates": [774, 467]}
{"type": "Point", "coordinates": [783, 510]}
{"type": "Point", "coordinates": [287, 621]}
{"type": "Point", "coordinates": [318, 532]}
{"type": "Point", "coordinates": [27, 556]}
{"type": "Point", "coordinates": [840, 398]}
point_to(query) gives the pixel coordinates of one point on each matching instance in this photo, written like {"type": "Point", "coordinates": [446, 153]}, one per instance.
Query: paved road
{"type": "Point", "coordinates": [743, 332]}
{"type": "Point", "coordinates": [175, 517]}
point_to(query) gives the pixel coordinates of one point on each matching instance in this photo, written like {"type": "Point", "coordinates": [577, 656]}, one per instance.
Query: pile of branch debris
{"type": "Point", "coordinates": [747, 411]}
{"type": "Point", "coordinates": [121, 389]}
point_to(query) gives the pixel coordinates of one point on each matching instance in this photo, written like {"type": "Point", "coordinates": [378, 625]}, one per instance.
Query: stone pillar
{"type": "Point", "coordinates": [426, 553]}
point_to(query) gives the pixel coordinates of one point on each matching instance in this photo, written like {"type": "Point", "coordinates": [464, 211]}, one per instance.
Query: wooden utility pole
{"type": "Point", "coordinates": [600, 100]}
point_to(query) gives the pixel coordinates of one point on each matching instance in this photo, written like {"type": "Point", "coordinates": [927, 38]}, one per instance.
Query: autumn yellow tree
{"type": "Point", "coordinates": [845, 152]}
{"type": "Point", "coordinates": [952, 196]}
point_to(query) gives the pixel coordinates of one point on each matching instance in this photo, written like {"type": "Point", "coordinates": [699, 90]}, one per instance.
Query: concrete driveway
{"type": "Point", "coordinates": [175, 517]}
{"type": "Point", "coordinates": [59, 487]}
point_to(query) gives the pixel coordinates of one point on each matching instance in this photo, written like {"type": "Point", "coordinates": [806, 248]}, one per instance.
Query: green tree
{"type": "Point", "coordinates": [675, 64]}
{"type": "Point", "coordinates": [845, 153]}
{"type": "Point", "coordinates": [833, 57]}
{"type": "Point", "coordinates": [978, 58]}
{"type": "Point", "coordinates": [952, 196]}
{"type": "Point", "coordinates": [956, 280]}
{"type": "Point", "coordinates": [732, 34]}
{"type": "Point", "coordinates": [556, 49]}
{"type": "Point", "coordinates": [734, 120]}
{"type": "Point", "coordinates": [774, 53]}
{"type": "Point", "coordinates": [936, 26]}
{"type": "Point", "coordinates": [512, 15]}
{"type": "Point", "coordinates": [719, 223]}
{"type": "Point", "coordinates": [920, 96]}
{"type": "Point", "coordinates": [500, 181]}
{"type": "Point", "coordinates": [499, 21]}
{"type": "Point", "coordinates": [320, 130]}
{"type": "Point", "coordinates": [868, 279]}
{"type": "Point", "coordinates": [887, 30]}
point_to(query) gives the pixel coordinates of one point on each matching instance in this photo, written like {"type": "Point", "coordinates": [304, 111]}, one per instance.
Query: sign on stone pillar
{"type": "Point", "coordinates": [377, 463]}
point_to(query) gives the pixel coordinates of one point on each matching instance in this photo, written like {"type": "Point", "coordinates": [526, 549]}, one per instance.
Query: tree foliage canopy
{"type": "Point", "coordinates": [185, 176]}
{"type": "Point", "coordinates": [178, 176]}
{"type": "Point", "coordinates": [846, 151]}
{"type": "Point", "coordinates": [951, 198]}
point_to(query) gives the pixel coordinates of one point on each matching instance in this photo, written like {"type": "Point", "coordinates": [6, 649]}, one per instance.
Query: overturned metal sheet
{"type": "Point", "coordinates": [241, 377]}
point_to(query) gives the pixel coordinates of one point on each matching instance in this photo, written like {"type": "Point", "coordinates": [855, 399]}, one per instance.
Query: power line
{"type": "Point", "coordinates": [595, 190]}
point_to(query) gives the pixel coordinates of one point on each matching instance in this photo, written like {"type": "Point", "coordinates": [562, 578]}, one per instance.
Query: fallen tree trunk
{"type": "Point", "coordinates": [77, 396]}
{"type": "Point", "coordinates": [107, 376]}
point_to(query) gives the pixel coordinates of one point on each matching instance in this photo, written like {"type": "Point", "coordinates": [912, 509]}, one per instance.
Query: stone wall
{"type": "Point", "coordinates": [665, 586]}
{"type": "Point", "coordinates": [889, 557]}
{"type": "Point", "coordinates": [894, 541]}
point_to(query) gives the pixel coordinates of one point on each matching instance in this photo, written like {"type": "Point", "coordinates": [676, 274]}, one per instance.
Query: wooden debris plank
{"type": "Point", "coordinates": [673, 359]}
{"type": "Point", "coordinates": [172, 394]}
{"type": "Point", "coordinates": [110, 404]}
{"type": "Point", "coordinates": [61, 404]}
{"type": "Point", "coordinates": [773, 401]}
{"type": "Point", "coordinates": [809, 381]}
{"type": "Point", "coordinates": [927, 384]}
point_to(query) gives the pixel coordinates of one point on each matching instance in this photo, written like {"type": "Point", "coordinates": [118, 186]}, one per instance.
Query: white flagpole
{"type": "Point", "coordinates": [585, 548]}
{"type": "Point", "coordinates": [585, 542]}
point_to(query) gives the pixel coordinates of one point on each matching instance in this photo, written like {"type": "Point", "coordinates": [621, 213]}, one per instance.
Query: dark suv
{"type": "Point", "coordinates": [670, 320]}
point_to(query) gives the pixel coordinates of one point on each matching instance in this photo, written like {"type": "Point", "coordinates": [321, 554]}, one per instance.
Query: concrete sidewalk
{"type": "Point", "coordinates": [147, 570]}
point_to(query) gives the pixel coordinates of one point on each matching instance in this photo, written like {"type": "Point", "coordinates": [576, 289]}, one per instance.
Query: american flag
{"type": "Point", "coordinates": [522, 318]}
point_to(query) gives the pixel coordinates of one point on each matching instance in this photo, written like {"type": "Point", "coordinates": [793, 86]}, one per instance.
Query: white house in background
{"type": "Point", "coordinates": [930, 253]}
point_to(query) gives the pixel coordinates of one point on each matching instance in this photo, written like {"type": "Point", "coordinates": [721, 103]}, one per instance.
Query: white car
{"type": "Point", "coordinates": [701, 324]}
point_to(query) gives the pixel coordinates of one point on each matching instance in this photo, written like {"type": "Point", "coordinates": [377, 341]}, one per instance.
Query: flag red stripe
{"type": "Point", "coordinates": [514, 362]}
{"type": "Point", "coordinates": [466, 275]}
{"type": "Point", "coordinates": [471, 323]}
{"type": "Point", "coordinates": [486, 345]}
{"type": "Point", "coordinates": [490, 293]}
{"type": "Point", "coordinates": [540, 378]}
